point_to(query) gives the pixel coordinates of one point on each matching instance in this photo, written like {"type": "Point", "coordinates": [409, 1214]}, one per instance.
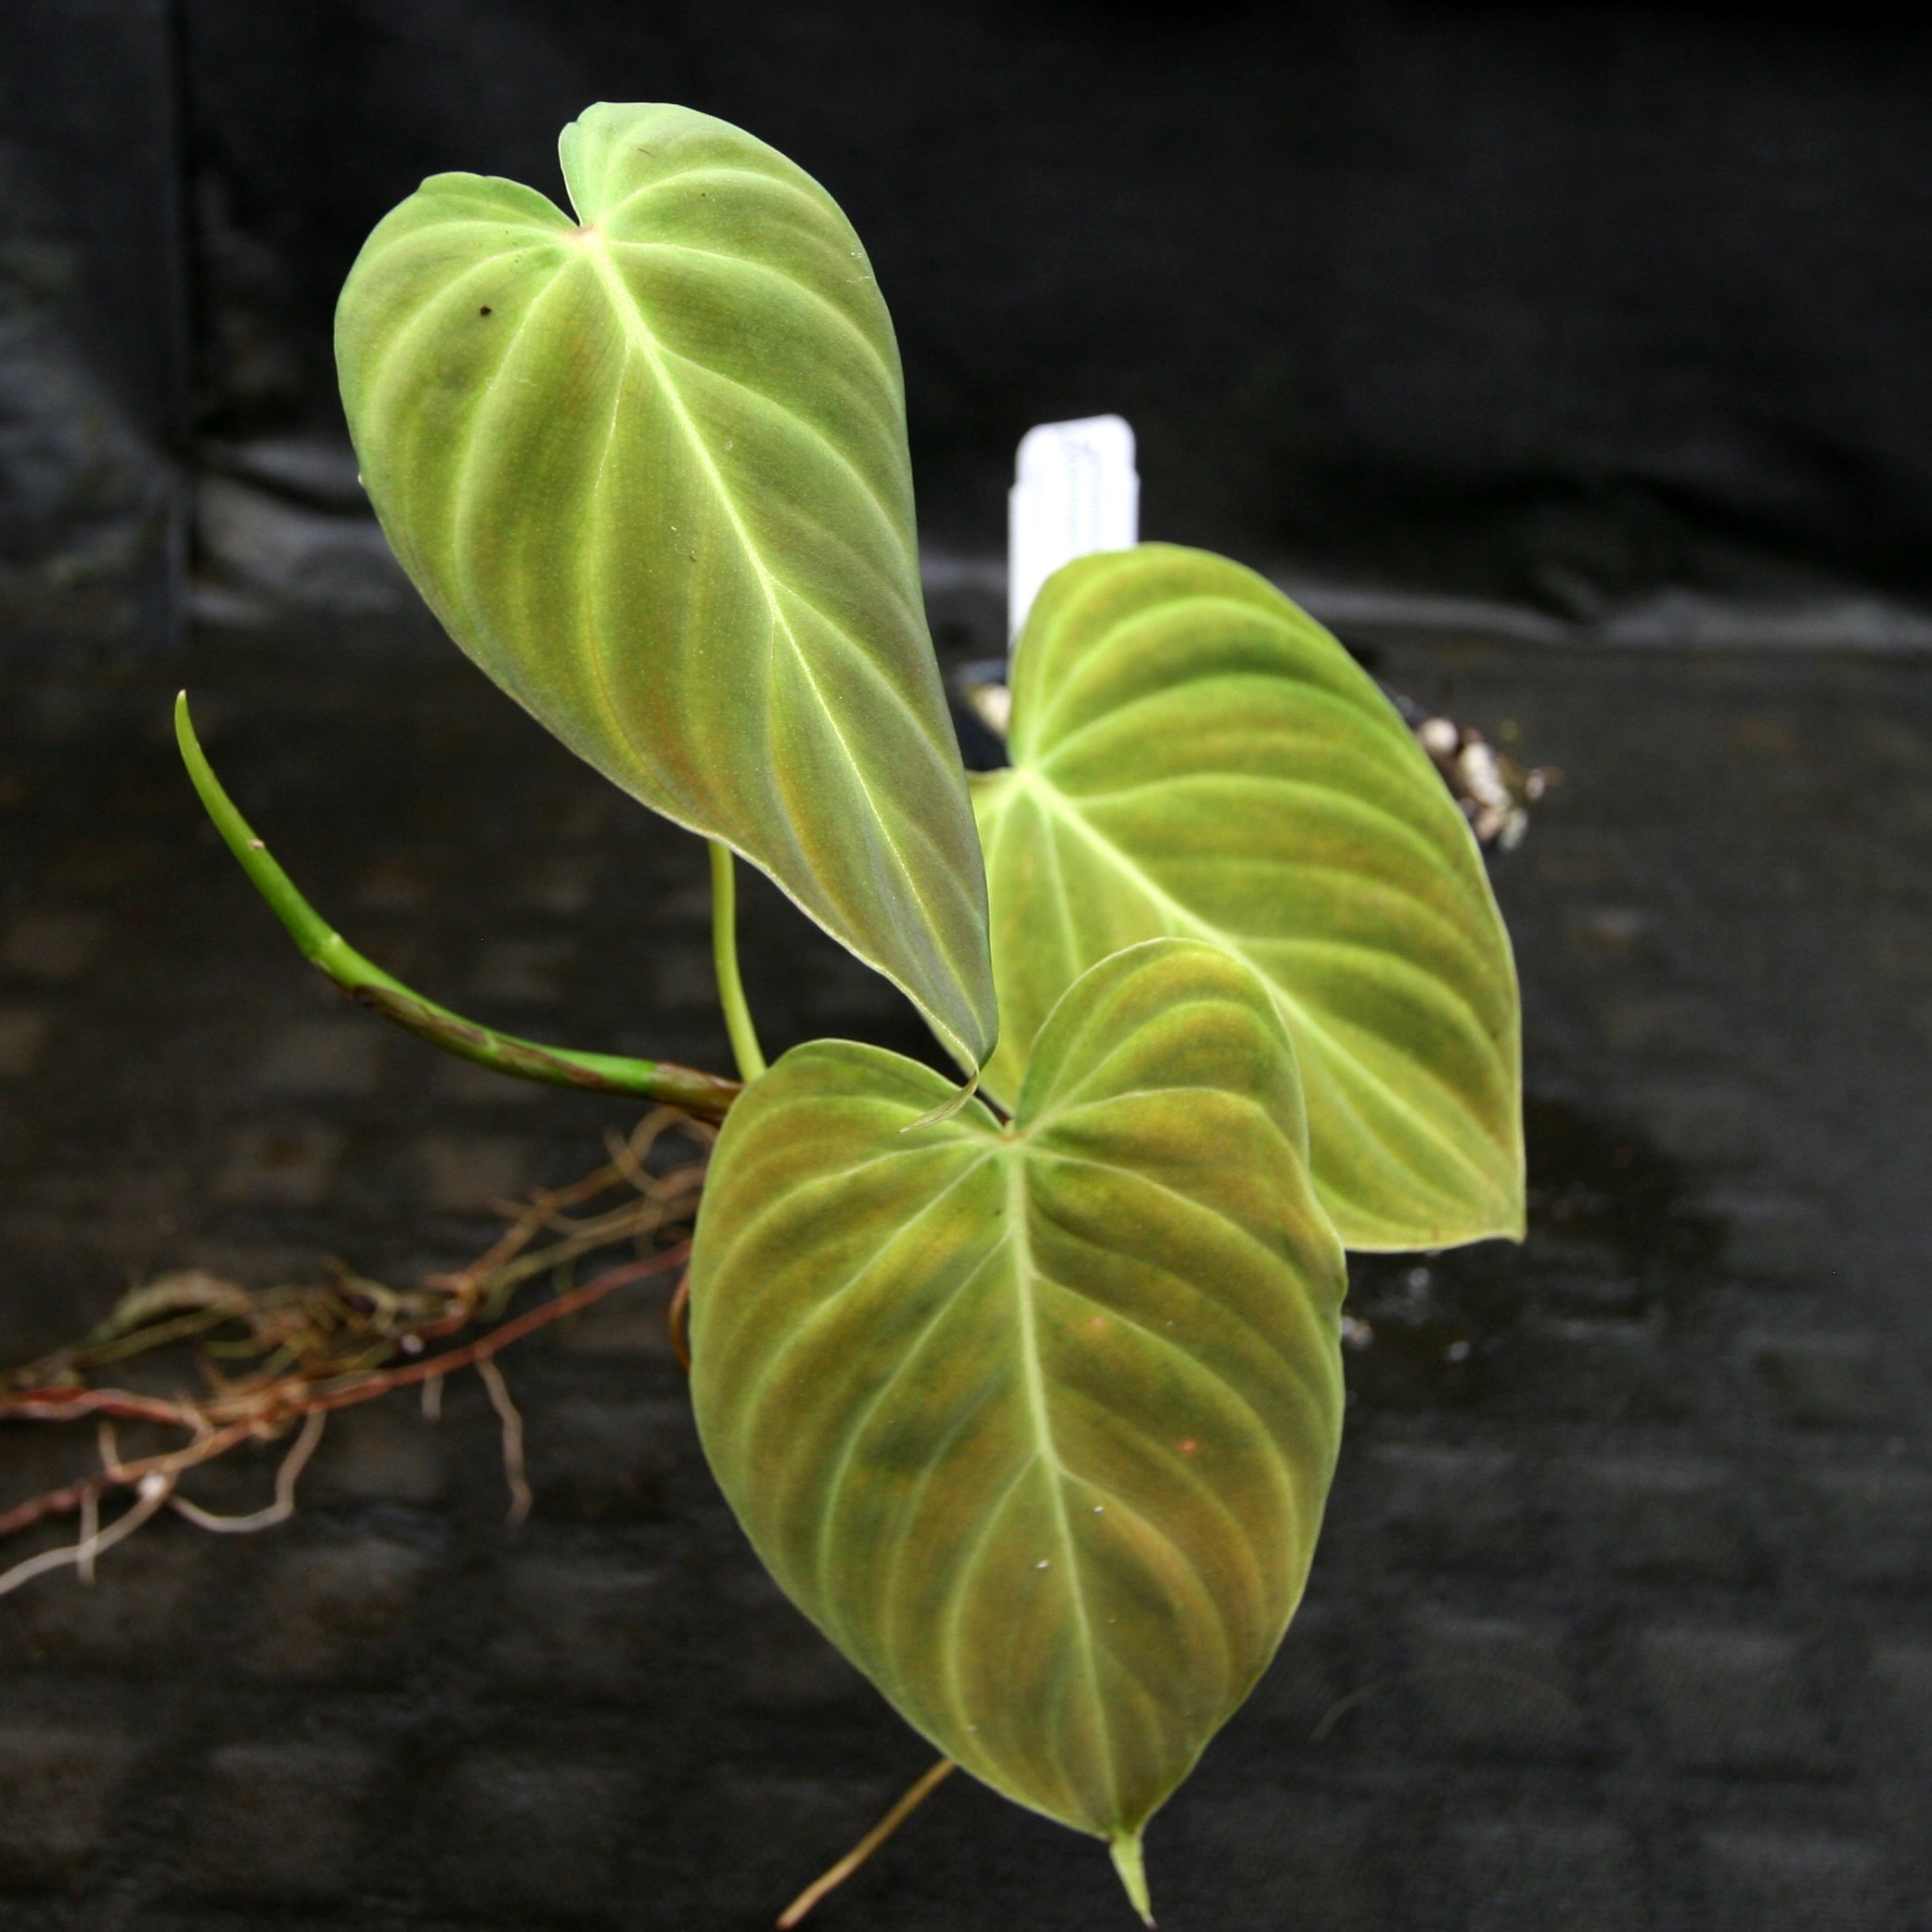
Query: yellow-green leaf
{"type": "Point", "coordinates": [1191, 754]}
{"type": "Point", "coordinates": [1037, 1421]}
{"type": "Point", "coordinates": [649, 468]}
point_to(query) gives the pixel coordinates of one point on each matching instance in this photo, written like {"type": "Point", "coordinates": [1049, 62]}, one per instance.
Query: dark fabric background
{"type": "Point", "coordinates": [95, 433]}
{"type": "Point", "coordinates": [1551, 303]}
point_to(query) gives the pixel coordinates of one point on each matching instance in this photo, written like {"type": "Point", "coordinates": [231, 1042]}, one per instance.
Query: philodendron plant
{"type": "Point", "coordinates": [1026, 1386]}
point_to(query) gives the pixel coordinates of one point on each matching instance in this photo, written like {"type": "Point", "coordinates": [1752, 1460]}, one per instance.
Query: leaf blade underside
{"type": "Point", "coordinates": [1192, 755]}
{"type": "Point", "coordinates": [1036, 1423]}
{"type": "Point", "coordinates": [649, 469]}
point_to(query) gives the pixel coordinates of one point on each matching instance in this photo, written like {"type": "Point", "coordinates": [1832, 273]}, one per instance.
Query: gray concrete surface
{"type": "Point", "coordinates": [1623, 1615]}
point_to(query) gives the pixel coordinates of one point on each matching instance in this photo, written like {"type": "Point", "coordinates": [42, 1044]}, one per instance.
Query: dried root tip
{"type": "Point", "coordinates": [1125, 1852]}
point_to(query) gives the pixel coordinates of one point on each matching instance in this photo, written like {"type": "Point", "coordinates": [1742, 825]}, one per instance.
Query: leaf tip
{"type": "Point", "coordinates": [1125, 1850]}
{"type": "Point", "coordinates": [944, 1110]}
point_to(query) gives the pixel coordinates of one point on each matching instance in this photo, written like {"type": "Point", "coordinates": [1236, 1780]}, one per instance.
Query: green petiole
{"type": "Point", "coordinates": [723, 954]}
{"type": "Point", "coordinates": [709, 1096]}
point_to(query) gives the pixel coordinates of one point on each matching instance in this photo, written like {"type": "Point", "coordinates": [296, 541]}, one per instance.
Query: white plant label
{"type": "Point", "coordinates": [1076, 490]}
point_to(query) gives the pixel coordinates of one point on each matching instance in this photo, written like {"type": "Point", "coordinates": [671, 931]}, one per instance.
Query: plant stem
{"type": "Point", "coordinates": [723, 953]}
{"type": "Point", "coordinates": [709, 1096]}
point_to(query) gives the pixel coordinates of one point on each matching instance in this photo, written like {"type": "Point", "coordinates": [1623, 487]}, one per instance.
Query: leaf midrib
{"type": "Point", "coordinates": [1057, 805]}
{"type": "Point", "coordinates": [1020, 1240]}
{"type": "Point", "coordinates": [638, 336]}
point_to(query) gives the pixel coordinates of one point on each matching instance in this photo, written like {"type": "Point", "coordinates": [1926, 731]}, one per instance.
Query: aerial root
{"type": "Point", "coordinates": [831, 1880]}
{"type": "Point", "coordinates": [511, 1418]}
{"type": "Point", "coordinates": [151, 1495]}
{"type": "Point", "coordinates": [289, 1357]}
{"type": "Point", "coordinates": [286, 1478]}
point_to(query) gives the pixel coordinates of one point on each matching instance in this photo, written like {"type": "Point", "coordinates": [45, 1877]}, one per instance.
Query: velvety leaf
{"type": "Point", "coordinates": [649, 468]}
{"type": "Point", "coordinates": [1191, 754]}
{"type": "Point", "coordinates": [1037, 1421]}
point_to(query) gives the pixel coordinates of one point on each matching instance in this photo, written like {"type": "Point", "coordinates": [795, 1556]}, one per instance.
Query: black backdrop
{"type": "Point", "coordinates": [1552, 303]}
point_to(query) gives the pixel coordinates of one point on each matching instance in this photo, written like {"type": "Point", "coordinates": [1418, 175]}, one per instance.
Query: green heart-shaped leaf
{"type": "Point", "coordinates": [1036, 1422]}
{"type": "Point", "coordinates": [650, 469]}
{"type": "Point", "coordinates": [1193, 756]}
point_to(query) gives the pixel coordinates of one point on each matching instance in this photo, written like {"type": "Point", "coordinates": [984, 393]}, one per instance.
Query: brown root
{"type": "Point", "coordinates": [284, 1359]}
